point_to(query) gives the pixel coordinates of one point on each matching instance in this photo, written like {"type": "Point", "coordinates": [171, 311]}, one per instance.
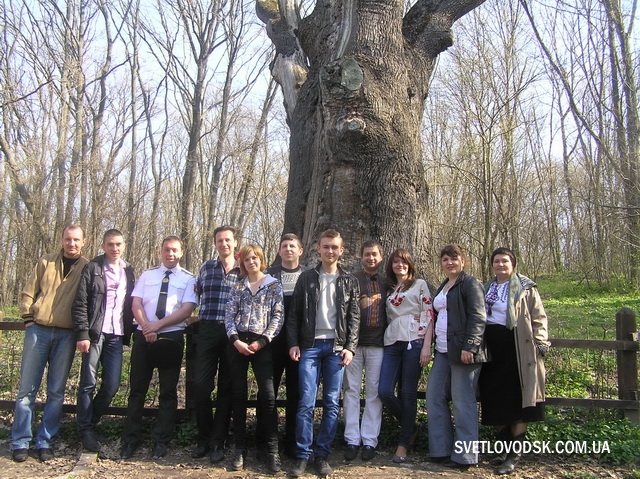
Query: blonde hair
{"type": "Point", "coordinates": [246, 251]}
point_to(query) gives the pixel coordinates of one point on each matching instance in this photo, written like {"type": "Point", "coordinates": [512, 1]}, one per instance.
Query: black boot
{"type": "Point", "coordinates": [509, 465]}
{"type": "Point", "coordinates": [504, 436]}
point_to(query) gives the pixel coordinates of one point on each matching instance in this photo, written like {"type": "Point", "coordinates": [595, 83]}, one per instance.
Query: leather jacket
{"type": "Point", "coordinates": [466, 319]}
{"type": "Point", "coordinates": [301, 318]}
{"type": "Point", "coordinates": [89, 306]}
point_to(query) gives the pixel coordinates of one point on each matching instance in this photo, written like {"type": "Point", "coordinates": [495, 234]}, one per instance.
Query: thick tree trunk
{"type": "Point", "coordinates": [355, 114]}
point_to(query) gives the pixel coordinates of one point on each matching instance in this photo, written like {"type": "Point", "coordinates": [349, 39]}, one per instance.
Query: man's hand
{"type": "Point", "coordinates": [151, 337]}
{"type": "Point", "coordinates": [255, 347]}
{"type": "Point", "coordinates": [347, 357]}
{"type": "Point", "coordinates": [294, 353]}
{"type": "Point", "coordinates": [151, 327]}
{"type": "Point", "coordinates": [83, 345]}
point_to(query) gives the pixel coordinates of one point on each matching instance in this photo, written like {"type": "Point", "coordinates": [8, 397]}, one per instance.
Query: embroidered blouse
{"type": "Point", "coordinates": [408, 313]}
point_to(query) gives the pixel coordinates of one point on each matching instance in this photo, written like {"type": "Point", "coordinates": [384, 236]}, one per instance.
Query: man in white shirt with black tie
{"type": "Point", "coordinates": [163, 298]}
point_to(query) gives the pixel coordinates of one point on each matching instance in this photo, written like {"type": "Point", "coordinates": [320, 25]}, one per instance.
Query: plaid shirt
{"type": "Point", "coordinates": [214, 286]}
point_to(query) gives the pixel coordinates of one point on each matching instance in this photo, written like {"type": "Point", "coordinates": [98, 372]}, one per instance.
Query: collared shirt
{"type": "Point", "coordinates": [373, 310]}
{"type": "Point", "coordinates": [214, 286]}
{"type": "Point", "coordinates": [182, 289]}
{"type": "Point", "coordinates": [115, 280]}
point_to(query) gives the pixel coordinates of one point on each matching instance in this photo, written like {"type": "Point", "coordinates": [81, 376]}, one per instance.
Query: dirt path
{"type": "Point", "coordinates": [70, 463]}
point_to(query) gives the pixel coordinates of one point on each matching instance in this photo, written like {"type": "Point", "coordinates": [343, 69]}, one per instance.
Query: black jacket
{"type": "Point", "coordinates": [301, 318]}
{"type": "Point", "coordinates": [89, 306]}
{"type": "Point", "coordinates": [466, 319]}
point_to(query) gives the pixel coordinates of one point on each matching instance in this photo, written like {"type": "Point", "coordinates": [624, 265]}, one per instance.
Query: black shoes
{"type": "Point", "coordinates": [128, 449]}
{"type": "Point", "coordinates": [20, 455]}
{"type": "Point", "coordinates": [237, 462]}
{"type": "Point", "coordinates": [298, 468]}
{"type": "Point", "coordinates": [323, 467]}
{"type": "Point", "coordinates": [350, 452]}
{"type": "Point", "coordinates": [159, 450]}
{"type": "Point", "coordinates": [273, 463]}
{"type": "Point", "coordinates": [201, 450]}
{"type": "Point", "coordinates": [45, 454]}
{"type": "Point", "coordinates": [90, 442]}
{"type": "Point", "coordinates": [217, 454]}
{"type": "Point", "coordinates": [368, 453]}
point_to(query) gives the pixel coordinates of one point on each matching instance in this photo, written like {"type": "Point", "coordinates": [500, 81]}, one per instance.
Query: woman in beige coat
{"type": "Point", "coordinates": [512, 383]}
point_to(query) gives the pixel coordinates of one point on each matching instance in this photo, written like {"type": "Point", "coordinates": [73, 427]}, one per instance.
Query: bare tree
{"type": "Point", "coordinates": [600, 84]}
{"type": "Point", "coordinates": [355, 76]}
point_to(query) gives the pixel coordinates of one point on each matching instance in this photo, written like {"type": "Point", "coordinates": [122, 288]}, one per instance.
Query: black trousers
{"type": "Point", "coordinates": [211, 359]}
{"type": "Point", "coordinates": [262, 365]}
{"type": "Point", "coordinates": [139, 379]}
{"type": "Point", "coordinates": [282, 363]}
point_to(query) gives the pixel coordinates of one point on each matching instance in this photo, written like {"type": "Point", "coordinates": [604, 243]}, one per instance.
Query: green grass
{"type": "Point", "coordinates": [577, 310]}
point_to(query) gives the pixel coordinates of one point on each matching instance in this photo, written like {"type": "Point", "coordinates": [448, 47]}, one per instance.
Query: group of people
{"type": "Point", "coordinates": [319, 327]}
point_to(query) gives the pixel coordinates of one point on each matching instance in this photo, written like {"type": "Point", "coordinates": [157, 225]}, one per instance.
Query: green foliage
{"type": "Point", "coordinates": [111, 428]}
{"type": "Point", "coordinates": [579, 310]}
{"type": "Point", "coordinates": [577, 424]}
{"type": "Point", "coordinates": [186, 434]}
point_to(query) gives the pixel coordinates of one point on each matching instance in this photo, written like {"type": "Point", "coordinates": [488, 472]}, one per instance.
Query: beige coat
{"type": "Point", "coordinates": [531, 330]}
{"type": "Point", "coordinates": [47, 297]}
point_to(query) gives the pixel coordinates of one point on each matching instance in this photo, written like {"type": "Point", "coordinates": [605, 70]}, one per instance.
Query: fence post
{"type": "Point", "coordinates": [627, 363]}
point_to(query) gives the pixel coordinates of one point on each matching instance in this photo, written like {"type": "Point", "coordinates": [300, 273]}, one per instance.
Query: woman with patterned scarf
{"type": "Point", "coordinates": [512, 383]}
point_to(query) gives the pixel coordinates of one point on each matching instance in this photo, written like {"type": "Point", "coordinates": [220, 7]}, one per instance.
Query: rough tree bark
{"type": "Point", "coordinates": [355, 76]}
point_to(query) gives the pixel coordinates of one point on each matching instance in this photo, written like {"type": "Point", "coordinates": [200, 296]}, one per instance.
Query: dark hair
{"type": "Point", "coordinates": [330, 233]}
{"type": "Point", "coordinates": [111, 233]}
{"type": "Point", "coordinates": [505, 251]}
{"type": "Point", "coordinates": [171, 239]}
{"type": "Point", "coordinates": [73, 227]}
{"type": "Point", "coordinates": [224, 228]}
{"type": "Point", "coordinates": [245, 251]}
{"type": "Point", "coordinates": [290, 237]}
{"type": "Point", "coordinates": [453, 251]}
{"type": "Point", "coordinates": [405, 256]}
{"type": "Point", "coordinates": [371, 244]}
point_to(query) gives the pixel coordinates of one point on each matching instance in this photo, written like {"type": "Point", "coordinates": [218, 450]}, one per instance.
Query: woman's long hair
{"type": "Point", "coordinates": [392, 281]}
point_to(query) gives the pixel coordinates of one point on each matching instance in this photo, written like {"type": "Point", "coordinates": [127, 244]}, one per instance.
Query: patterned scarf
{"type": "Point", "coordinates": [515, 290]}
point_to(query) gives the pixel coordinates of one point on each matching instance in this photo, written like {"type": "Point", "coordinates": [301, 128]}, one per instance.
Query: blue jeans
{"type": "Point", "coordinates": [400, 364]}
{"type": "Point", "coordinates": [316, 363]}
{"type": "Point", "coordinates": [455, 382]}
{"type": "Point", "coordinates": [42, 345]}
{"type": "Point", "coordinates": [108, 352]}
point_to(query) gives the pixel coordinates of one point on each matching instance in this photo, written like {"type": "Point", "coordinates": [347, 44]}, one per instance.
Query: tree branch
{"type": "Point", "coordinates": [289, 67]}
{"type": "Point", "coordinates": [427, 25]}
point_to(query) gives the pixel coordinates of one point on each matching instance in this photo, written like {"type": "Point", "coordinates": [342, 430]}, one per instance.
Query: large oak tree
{"type": "Point", "coordinates": [355, 76]}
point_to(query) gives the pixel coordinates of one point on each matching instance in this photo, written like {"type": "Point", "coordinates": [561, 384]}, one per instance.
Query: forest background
{"type": "Point", "coordinates": [149, 116]}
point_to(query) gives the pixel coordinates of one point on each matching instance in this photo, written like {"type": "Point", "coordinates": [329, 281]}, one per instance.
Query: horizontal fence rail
{"type": "Point", "coordinates": [626, 346]}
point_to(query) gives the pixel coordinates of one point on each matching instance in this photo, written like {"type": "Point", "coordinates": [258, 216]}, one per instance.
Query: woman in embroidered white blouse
{"type": "Point", "coordinates": [407, 345]}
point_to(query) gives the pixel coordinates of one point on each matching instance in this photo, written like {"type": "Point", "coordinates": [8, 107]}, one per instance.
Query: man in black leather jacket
{"type": "Point", "coordinates": [103, 322]}
{"type": "Point", "coordinates": [322, 332]}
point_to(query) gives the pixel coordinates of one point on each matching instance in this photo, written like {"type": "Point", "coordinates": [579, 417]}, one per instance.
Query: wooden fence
{"type": "Point", "coordinates": [626, 346]}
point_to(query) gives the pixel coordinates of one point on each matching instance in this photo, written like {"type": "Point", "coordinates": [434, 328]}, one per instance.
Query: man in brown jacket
{"type": "Point", "coordinates": [49, 339]}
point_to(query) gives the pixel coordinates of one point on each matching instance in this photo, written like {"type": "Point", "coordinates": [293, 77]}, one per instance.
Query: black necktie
{"type": "Point", "coordinates": [161, 310]}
